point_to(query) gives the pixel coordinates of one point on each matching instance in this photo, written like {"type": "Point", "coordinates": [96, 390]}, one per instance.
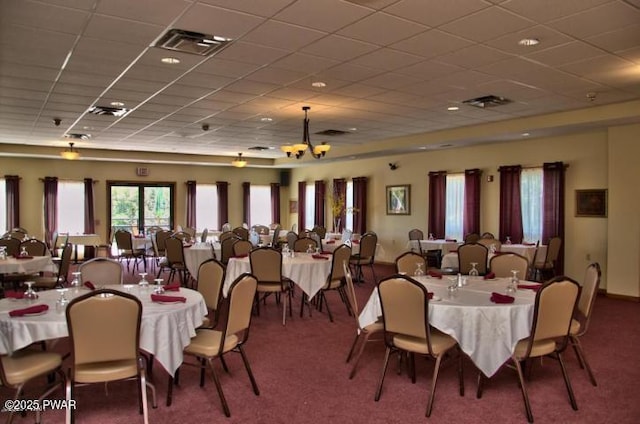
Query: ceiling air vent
{"type": "Point", "coordinates": [487, 101]}
{"type": "Point", "coordinates": [191, 42]}
{"type": "Point", "coordinates": [108, 110]}
{"type": "Point", "coordinates": [77, 136]}
{"type": "Point", "coordinates": [332, 133]}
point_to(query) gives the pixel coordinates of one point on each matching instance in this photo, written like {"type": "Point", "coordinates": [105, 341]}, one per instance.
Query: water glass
{"type": "Point", "coordinates": [158, 289]}
{"type": "Point", "coordinates": [30, 295]}
{"type": "Point", "coordinates": [474, 271]}
{"type": "Point", "coordinates": [23, 251]}
{"type": "Point", "coordinates": [419, 271]}
{"type": "Point", "coordinates": [512, 287]}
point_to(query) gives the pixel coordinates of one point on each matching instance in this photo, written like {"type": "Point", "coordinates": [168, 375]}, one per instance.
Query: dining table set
{"type": "Point", "coordinates": [532, 252]}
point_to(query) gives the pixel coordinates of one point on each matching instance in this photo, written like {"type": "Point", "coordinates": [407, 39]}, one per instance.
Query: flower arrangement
{"type": "Point", "coordinates": [337, 204]}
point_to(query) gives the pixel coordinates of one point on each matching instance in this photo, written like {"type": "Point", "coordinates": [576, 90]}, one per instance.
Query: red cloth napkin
{"type": "Point", "coordinates": [528, 244]}
{"type": "Point", "coordinates": [451, 240]}
{"type": "Point", "coordinates": [501, 298]}
{"type": "Point", "coordinates": [490, 275]}
{"type": "Point", "coordinates": [23, 257]}
{"type": "Point", "coordinates": [240, 256]}
{"type": "Point", "coordinates": [315, 256]}
{"type": "Point", "coordinates": [89, 285]}
{"type": "Point", "coordinates": [172, 287]}
{"type": "Point", "coordinates": [454, 251]}
{"type": "Point", "coordinates": [163, 298]}
{"type": "Point", "coordinates": [534, 287]}
{"type": "Point", "coordinates": [429, 295]}
{"type": "Point", "coordinates": [35, 309]}
{"type": "Point", "coordinates": [355, 241]}
{"type": "Point", "coordinates": [435, 274]}
{"type": "Point", "coordinates": [186, 246]}
{"type": "Point", "coordinates": [139, 236]}
{"type": "Point", "coordinates": [330, 242]}
{"type": "Point", "coordinates": [13, 294]}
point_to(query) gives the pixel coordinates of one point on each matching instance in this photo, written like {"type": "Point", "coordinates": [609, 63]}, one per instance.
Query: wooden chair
{"type": "Point", "coordinates": [242, 248]}
{"type": "Point", "coordinates": [502, 265]}
{"type": "Point", "coordinates": [266, 267]}
{"type": "Point", "coordinates": [546, 269]}
{"type": "Point", "coordinates": [101, 271]}
{"type": "Point", "coordinates": [226, 248]}
{"type": "Point", "coordinates": [34, 247]}
{"type": "Point", "coordinates": [174, 261]}
{"type": "Point", "coordinates": [472, 253]}
{"type": "Point", "coordinates": [405, 306]}
{"type": "Point", "coordinates": [124, 241]}
{"type": "Point", "coordinates": [408, 262]}
{"type": "Point", "coordinates": [241, 232]}
{"type": "Point", "coordinates": [302, 244]}
{"type": "Point", "coordinates": [335, 280]}
{"type": "Point", "coordinates": [211, 275]}
{"type": "Point", "coordinates": [554, 308]}
{"type": "Point", "coordinates": [12, 245]}
{"type": "Point", "coordinates": [46, 283]}
{"type": "Point", "coordinates": [366, 256]}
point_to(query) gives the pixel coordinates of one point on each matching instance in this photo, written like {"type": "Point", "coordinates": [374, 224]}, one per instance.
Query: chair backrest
{"type": "Point", "coordinates": [472, 238]}
{"type": "Point", "coordinates": [65, 262]}
{"type": "Point", "coordinates": [204, 235]}
{"type": "Point", "coordinates": [487, 235]}
{"type": "Point", "coordinates": [182, 235]}
{"type": "Point", "coordinates": [241, 296]}
{"type": "Point", "coordinates": [368, 244]}
{"type": "Point", "coordinates": [416, 235]}
{"type": "Point", "coordinates": [472, 252]}
{"type": "Point", "coordinates": [225, 227]}
{"type": "Point", "coordinates": [339, 256]}
{"type": "Point", "coordinates": [302, 244]}
{"type": "Point", "coordinates": [487, 242]}
{"type": "Point", "coordinates": [34, 247]}
{"type": "Point", "coordinates": [160, 238]}
{"type": "Point", "coordinates": [555, 304]}
{"type": "Point", "coordinates": [101, 271]}
{"type": "Point", "coordinates": [320, 230]}
{"type": "Point", "coordinates": [408, 263]}
{"type": "Point", "coordinates": [553, 249]}
{"type": "Point", "coordinates": [317, 238]}
{"type": "Point", "coordinates": [104, 325]}
{"type": "Point", "coordinates": [291, 239]}
{"type": "Point", "coordinates": [174, 251]}
{"type": "Point", "coordinates": [502, 265]}
{"type": "Point", "coordinates": [225, 235]}
{"type": "Point", "coordinates": [226, 248]}
{"type": "Point", "coordinates": [211, 274]}
{"type": "Point", "coordinates": [351, 292]}
{"type": "Point", "coordinates": [261, 229]}
{"type": "Point", "coordinates": [276, 236]}
{"type": "Point", "coordinates": [12, 245]}
{"type": "Point", "coordinates": [242, 247]}
{"type": "Point", "coordinates": [241, 232]}
{"type": "Point", "coordinates": [405, 305]}
{"type": "Point", "coordinates": [266, 265]}
{"type": "Point", "coordinates": [124, 240]}
{"type": "Point", "coordinates": [191, 231]}
{"type": "Point", "coordinates": [588, 294]}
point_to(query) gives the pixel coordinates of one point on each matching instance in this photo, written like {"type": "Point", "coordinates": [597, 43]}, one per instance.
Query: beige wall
{"type": "Point", "coordinates": [586, 239]}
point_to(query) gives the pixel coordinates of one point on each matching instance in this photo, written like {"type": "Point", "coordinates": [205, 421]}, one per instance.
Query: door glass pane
{"type": "Point", "coordinates": [157, 207]}
{"type": "Point", "coordinates": [125, 208]}
{"type": "Point", "coordinates": [70, 207]}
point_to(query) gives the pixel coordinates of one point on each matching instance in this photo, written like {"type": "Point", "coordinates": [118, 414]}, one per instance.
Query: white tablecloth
{"type": "Point", "coordinates": [27, 266]}
{"type": "Point", "coordinates": [486, 332]}
{"type": "Point", "coordinates": [443, 245]}
{"type": "Point", "coordinates": [81, 239]}
{"type": "Point", "coordinates": [164, 331]}
{"type": "Point", "coordinates": [197, 254]}
{"type": "Point", "coordinates": [308, 273]}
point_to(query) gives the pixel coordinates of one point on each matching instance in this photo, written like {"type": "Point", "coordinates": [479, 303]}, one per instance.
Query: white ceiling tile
{"type": "Point", "coordinates": [435, 12]}
{"type": "Point", "coordinates": [547, 10]}
{"type": "Point", "coordinates": [432, 43]}
{"type": "Point", "coordinates": [428, 70]}
{"type": "Point", "coordinates": [386, 59]}
{"type": "Point", "coordinates": [591, 23]}
{"type": "Point", "coordinates": [347, 72]}
{"type": "Point", "coordinates": [360, 90]}
{"type": "Point", "coordinates": [566, 53]}
{"type": "Point", "coordinates": [481, 26]}
{"type": "Point", "coordinates": [251, 87]}
{"type": "Point", "coordinates": [251, 53]}
{"type": "Point", "coordinates": [617, 40]}
{"type": "Point", "coordinates": [327, 15]}
{"type": "Point", "coordinates": [40, 15]}
{"type": "Point", "coordinates": [160, 12]}
{"type": "Point", "coordinates": [217, 21]}
{"type": "Point", "coordinates": [260, 8]}
{"type": "Point", "coordinates": [122, 30]}
{"type": "Point", "coordinates": [339, 48]}
{"type": "Point", "coordinates": [305, 63]}
{"type": "Point", "coordinates": [547, 36]}
{"type": "Point", "coordinates": [276, 76]}
{"type": "Point", "coordinates": [391, 81]}
{"type": "Point", "coordinates": [473, 56]}
{"type": "Point", "coordinates": [283, 36]}
{"type": "Point", "coordinates": [369, 29]}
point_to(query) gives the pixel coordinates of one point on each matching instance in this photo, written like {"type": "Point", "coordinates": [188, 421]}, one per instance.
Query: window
{"type": "Point", "coordinates": [135, 206]}
{"type": "Point", "coordinates": [454, 207]}
{"type": "Point", "coordinates": [207, 206]}
{"type": "Point", "coordinates": [70, 207]}
{"type": "Point", "coordinates": [309, 207]}
{"type": "Point", "coordinates": [349, 206]}
{"type": "Point", "coordinates": [3, 206]}
{"type": "Point", "coordinates": [531, 190]}
{"type": "Point", "coordinates": [260, 205]}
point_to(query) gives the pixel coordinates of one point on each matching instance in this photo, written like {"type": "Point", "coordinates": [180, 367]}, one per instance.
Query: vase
{"type": "Point", "coordinates": [336, 225]}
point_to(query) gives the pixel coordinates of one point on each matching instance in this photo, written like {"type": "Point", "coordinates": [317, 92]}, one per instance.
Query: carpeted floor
{"type": "Point", "coordinates": [303, 378]}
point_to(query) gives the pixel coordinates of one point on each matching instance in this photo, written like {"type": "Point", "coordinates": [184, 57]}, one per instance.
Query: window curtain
{"type": "Point", "coordinates": [360, 205]}
{"type": "Point", "coordinates": [275, 203]}
{"type": "Point", "coordinates": [437, 203]}
{"type": "Point", "coordinates": [319, 203]}
{"type": "Point", "coordinates": [340, 192]}
{"type": "Point", "coordinates": [50, 209]}
{"type": "Point", "coordinates": [454, 207]}
{"type": "Point", "coordinates": [553, 206]}
{"type": "Point", "coordinates": [510, 205]}
{"type": "Point", "coordinates": [191, 204]}
{"type": "Point", "coordinates": [223, 202]}
{"type": "Point", "coordinates": [302, 194]}
{"type": "Point", "coordinates": [12, 185]}
{"type": "Point", "coordinates": [246, 203]}
{"type": "Point", "coordinates": [89, 216]}
{"type": "Point", "coordinates": [471, 214]}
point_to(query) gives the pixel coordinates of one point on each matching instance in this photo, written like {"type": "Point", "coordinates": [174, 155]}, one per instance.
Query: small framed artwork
{"type": "Point", "coordinates": [293, 206]}
{"type": "Point", "coordinates": [591, 203]}
{"type": "Point", "coordinates": [399, 200]}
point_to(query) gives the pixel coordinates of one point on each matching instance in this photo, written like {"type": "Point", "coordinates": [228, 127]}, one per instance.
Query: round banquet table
{"type": "Point", "coordinates": [27, 266]}
{"type": "Point", "coordinates": [165, 329]}
{"type": "Point", "coordinates": [487, 332]}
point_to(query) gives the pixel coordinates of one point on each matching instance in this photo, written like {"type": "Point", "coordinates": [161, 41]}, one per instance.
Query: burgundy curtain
{"type": "Point", "coordinates": [320, 188]}
{"type": "Point", "coordinates": [223, 202]}
{"type": "Point", "coordinates": [360, 204]}
{"type": "Point", "coordinates": [340, 191]}
{"type": "Point", "coordinates": [471, 215]}
{"type": "Point", "coordinates": [437, 203]}
{"type": "Point", "coordinates": [510, 204]}
{"type": "Point", "coordinates": [275, 203]}
{"type": "Point", "coordinates": [191, 204]}
{"type": "Point", "coordinates": [302, 194]}
{"type": "Point", "coordinates": [89, 216]}
{"type": "Point", "coordinates": [246, 203]}
{"type": "Point", "coordinates": [553, 207]}
{"type": "Point", "coordinates": [12, 184]}
{"type": "Point", "coordinates": [50, 209]}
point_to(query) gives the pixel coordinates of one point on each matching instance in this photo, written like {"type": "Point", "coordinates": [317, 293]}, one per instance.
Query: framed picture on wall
{"type": "Point", "coordinates": [591, 203]}
{"type": "Point", "coordinates": [399, 200]}
{"type": "Point", "coordinates": [293, 206]}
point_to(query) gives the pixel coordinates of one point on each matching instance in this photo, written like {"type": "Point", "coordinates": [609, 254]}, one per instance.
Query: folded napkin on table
{"type": "Point", "coordinates": [501, 298]}
{"type": "Point", "coordinates": [330, 242]}
{"type": "Point", "coordinates": [454, 251]}
{"type": "Point", "coordinates": [490, 276]}
{"type": "Point", "coordinates": [526, 243]}
{"type": "Point", "coordinates": [451, 240]}
{"type": "Point", "coordinates": [239, 256]}
{"type": "Point", "coordinates": [316, 256]}
{"type": "Point", "coordinates": [171, 287]}
{"type": "Point", "coordinates": [534, 287]}
{"type": "Point", "coordinates": [35, 309]}
{"type": "Point", "coordinates": [435, 274]}
{"type": "Point", "coordinates": [355, 241]}
{"type": "Point", "coordinates": [13, 294]}
{"type": "Point", "coordinates": [23, 257]}
{"type": "Point", "coordinates": [89, 285]}
{"type": "Point", "coordinates": [186, 246]}
{"type": "Point", "coordinates": [429, 295]}
{"type": "Point", "coordinates": [163, 298]}
{"type": "Point", "coordinates": [139, 236]}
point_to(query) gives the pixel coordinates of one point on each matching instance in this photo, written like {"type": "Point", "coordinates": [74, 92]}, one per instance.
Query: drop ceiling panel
{"type": "Point", "coordinates": [590, 22]}
{"type": "Point", "coordinates": [217, 21]}
{"type": "Point", "coordinates": [339, 48]}
{"type": "Point", "coordinates": [283, 36]}
{"type": "Point", "coordinates": [548, 10]}
{"type": "Point", "coordinates": [369, 29]}
{"type": "Point", "coordinates": [128, 31]}
{"type": "Point", "coordinates": [435, 13]}
{"type": "Point", "coordinates": [160, 12]}
{"type": "Point", "coordinates": [432, 43]}
{"type": "Point", "coordinates": [43, 16]}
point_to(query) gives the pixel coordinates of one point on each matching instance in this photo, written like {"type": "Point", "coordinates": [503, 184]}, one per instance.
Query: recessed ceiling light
{"type": "Point", "coordinates": [353, 129]}
{"type": "Point", "coordinates": [422, 148]}
{"type": "Point", "coordinates": [525, 134]}
{"type": "Point", "coordinates": [170, 60]}
{"type": "Point", "coordinates": [453, 108]}
{"type": "Point", "coordinates": [266, 119]}
{"type": "Point", "coordinates": [319, 84]}
{"type": "Point", "coordinates": [117, 104]}
{"type": "Point", "coordinates": [529, 42]}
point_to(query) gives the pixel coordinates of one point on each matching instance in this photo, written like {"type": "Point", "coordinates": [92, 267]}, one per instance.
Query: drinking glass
{"type": "Point", "coordinates": [419, 271]}
{"type": "Point", "coordinates": [474, 271]}
{"type": "Point", "coordinates": [508, 241]}
{"type": "Point", "coordinates": [310, 248]}
{"type": "Point", "coordinates": [30, 294]}
{"type": "Point", "coordinates": [513, 284]}
{"type": "Point", "coordinates": [77, 276]}
{"type": "Point", "coordinates": [143, 280]}
{"type": "Point", "coordinates": [431, 236]}
{"type": "Point", "coordinates": [62, 301]}
{"type": "Point", "coordinates": [23, 251]}
{"type": "Point", "coordinates": [158, 289]}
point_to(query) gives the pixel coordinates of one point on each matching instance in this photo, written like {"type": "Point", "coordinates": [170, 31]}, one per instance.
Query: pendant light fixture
{"type": "Point", "coordinates": [70, 153]}
{"type": "Point", "coordinates": [239, 162]}
{"type": "Point", "coordinates": [299, 149]}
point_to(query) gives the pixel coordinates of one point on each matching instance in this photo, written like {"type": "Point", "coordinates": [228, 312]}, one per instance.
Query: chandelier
{"type": "Point", "coordinates": [299, 149]}
{"type": "Point", "coordinates": [69, 153]}
{"type": "Point", "coordinates": [239, 162]}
